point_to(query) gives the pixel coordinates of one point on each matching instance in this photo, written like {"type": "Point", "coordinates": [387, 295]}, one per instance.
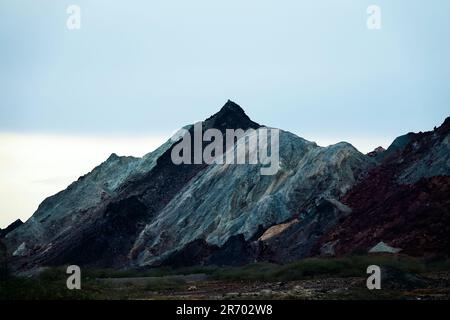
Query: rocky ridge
{"type": "Point", "coordinates": [143, 212]}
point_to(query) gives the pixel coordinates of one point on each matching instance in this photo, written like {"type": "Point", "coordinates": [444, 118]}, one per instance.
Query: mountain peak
{"type": "Point", "coordinates": [11, 227]}
{"type": "Point", "coordinates": [445, 127]}
{"type": "Point", "coordinates": [112, 157]}
{"type": "Point", "coordinates": [231, 115]}
{"type": "Point", "coordinates": [232, 106]}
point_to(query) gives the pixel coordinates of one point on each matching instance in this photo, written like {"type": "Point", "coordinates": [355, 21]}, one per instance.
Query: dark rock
{"type": "Point", "coordinates": [194, 253]}
{"type": "Point", "coordinates": [299, 239]}
{"type": "Point", "coordinates": [403, 201]}
{"type": "Point", "coordinates": [236, 251]}
{"type": "Point", "coordinates": [96, 220]}
{"type": "Point", "coordinates": [11, 227]}
{"type": "Point", "coordinates": [140, 212]}
{"type": "Point", "coordinates": [3, 262]}
{"type": "Point", "coordinates": [394, 278]}
{"type": "Point", "coordinates": [377, 152]}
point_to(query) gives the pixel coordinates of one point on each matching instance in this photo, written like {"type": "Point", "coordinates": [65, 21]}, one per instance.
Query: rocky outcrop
{"type": "Point", "coordinates": [298, 240]}
{"type": "Point", "coordinates": [403, 201]}
{"type": "Point", "coordinates": [426, 155]}
{"type": "Point", "coordinates": [234, 252]}
{"type": "Point", "coordinates": [229, 200]}
{"type": "Point", "coordinates": [11, 227]}
{"type": "Point", "coordinates": [382, 247]}
{"type": "Point", "coordinates": [276, 230]}
{"type": "Point", "coordinates": [377, 152]}
{"type": "Point", "coordinates": [414, 217]}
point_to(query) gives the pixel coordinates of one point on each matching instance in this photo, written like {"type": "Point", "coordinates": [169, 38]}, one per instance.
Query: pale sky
{"type": "Point", "coordinates": [138, 70]}
{"type": "Point", "coordinates": [35, 166]}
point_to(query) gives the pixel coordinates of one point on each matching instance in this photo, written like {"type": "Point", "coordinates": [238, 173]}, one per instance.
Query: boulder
{"type": "Point", "coordinates": [382, 247]}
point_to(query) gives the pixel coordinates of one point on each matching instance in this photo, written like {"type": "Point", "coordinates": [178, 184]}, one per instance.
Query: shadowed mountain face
{"type": "Point", "coordinates": [3, 262]}
{"type": "Point", "coordinates": [136, 212]}
{"type": "Point", "coordinates": [11, 227]}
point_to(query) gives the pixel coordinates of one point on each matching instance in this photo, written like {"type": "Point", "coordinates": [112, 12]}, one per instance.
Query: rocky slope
{"type": "Point", "coordinates": [97, 218]}
{"type": "Point", "coordinates": [404, 201]}
{"type": "Point", "coordinates": [11, 227]}
{"type": "Point", "coordinates": [227, 201]}
{"type": "Point", "coordinates": [148, 211]}
{"type": "Point", "coordinates": [140, 212]}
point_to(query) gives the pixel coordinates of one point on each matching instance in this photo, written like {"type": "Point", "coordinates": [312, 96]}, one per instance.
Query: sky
{"type": "Point", "coordinates": [136, 71]}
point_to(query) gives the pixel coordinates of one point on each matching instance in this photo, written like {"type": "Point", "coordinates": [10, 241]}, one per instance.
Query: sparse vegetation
{"type": "Point", "coordinates": [161, 282]}
{"type": "Point", "coordinates": [353, 266]}
{"type": "Point", "coordinates": [50, 285]}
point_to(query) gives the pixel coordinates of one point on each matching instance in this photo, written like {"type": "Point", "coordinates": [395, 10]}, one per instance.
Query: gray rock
{"type": "Point", "coordinates": [266, 292]}
{"type": "Point", "coordinates": [434, 162]}
{"type": "Point", "coordinates": [328, 248]}
{"type": "Point", "coordinates": [382, 247]}
{"type": "Point", "coordinates": [227, 200]}
{"type": "Point", "coordinates": [138, 211]}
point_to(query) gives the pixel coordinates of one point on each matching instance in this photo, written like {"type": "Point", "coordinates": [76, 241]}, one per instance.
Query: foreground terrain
{"type": "Point", "coordinates": [311, 279]}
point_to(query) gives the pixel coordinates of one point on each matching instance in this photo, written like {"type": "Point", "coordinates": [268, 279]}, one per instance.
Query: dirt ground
{"type": "Point", "coordinates": [199, 286]}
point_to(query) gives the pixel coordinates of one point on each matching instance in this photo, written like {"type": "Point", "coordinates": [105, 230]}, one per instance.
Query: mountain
{"type": "Point", "coordinates": [143, 211]}
{"type": "Point", "coordinates": [236, 201]}
{"type": "Point", "coordinates": [11, 227]}
{"type": "Point", "coordinates": [149, 211]}
{"type": "Point", "coordinates": [404, 201]}
{"type": "Point", "coordinates": [95, 220]}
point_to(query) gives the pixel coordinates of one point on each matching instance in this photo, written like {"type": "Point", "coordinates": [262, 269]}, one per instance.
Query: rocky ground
{"type": "Point", "coordinates": [436, 286]}
{"type": "Point", "coordinates": [402, 277]}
